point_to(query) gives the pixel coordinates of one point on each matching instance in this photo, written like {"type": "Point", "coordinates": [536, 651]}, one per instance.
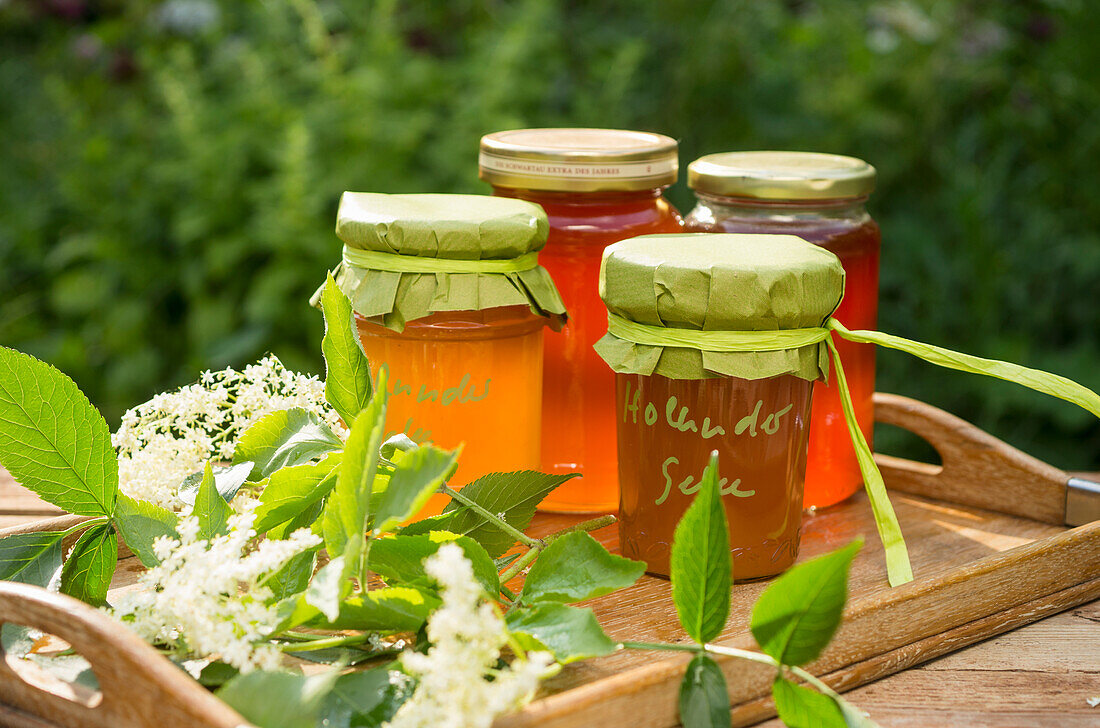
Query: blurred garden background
{"type": "Point", "coordinates": [169, 171]}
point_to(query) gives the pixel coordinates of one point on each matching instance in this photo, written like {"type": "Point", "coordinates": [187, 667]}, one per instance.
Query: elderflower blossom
{"type": "Point", "coordinates": [467, 634]}
{"type": "Point", "coordinates": [172, 435]}
{"type": "Point", "coordinates": [206, 598]}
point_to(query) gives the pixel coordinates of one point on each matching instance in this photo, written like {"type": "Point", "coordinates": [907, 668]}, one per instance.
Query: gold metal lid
{"type": "Point", "coordinates": [782, 175]}
{"type": "Point", "coordinates": [578, 160]}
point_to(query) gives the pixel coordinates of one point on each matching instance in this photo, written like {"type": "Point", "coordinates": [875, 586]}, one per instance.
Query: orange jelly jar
{"type": "Point", "coordinates": [449, 297]}
{"type": "Point", "coordinates": [820, 198]}
{"type": "Point", "coordinates": [598, 186]}
{"type": "Point", "coordinates": [696, 327]}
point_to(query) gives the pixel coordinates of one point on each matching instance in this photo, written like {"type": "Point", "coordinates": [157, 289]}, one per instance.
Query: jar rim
{"type": "Point", "coordinates": [578, 160]}
{"type": "Point", "coordinates": [782, 175]}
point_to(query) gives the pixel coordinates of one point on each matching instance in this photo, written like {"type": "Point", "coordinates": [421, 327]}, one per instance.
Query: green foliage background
{"type": "Point", "coordinates": [169, 171]}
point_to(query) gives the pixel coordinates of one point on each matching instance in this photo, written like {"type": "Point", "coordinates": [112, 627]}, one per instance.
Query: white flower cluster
{"type": "Point", "coordinates": [467, 634]}
{"type": "Point", "coordinates": [172, 435]}
{"type": "Point", "coordinates": [205, 598]}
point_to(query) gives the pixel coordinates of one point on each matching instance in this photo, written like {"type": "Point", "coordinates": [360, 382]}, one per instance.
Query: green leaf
{"type": "Point", "coordinates": [329, 587]}
{"type": "Point", "coordinates": [210, 508]}
{"type": "Point", "coordinates": [400, 558]}
{"type": "Point", "coordinates": [700, 562]}
{"type": "Point", "coordinates": [290, 491]}
{"type": "Point", "coordinates": [309, 518]}
{"type": "Point", "coordinates": [140, 523]}
{"type": "Point", "coordinates": [87, 572]}
{"type": "Point", "coordinates": [31, 558]}
{"type": "Point", "coordinates": [704, 700]}
{"type": "Point", "coordinates": [391, 609]}
{"type": "Point", "coordinates": [52, 440]}
{"type": "Point", "coordinates": [571, 633]}
{"type": "Point", "coordinates": [366, 699]}
{"type": "Point", "coordinates": [347, 371]}
{"type": "Point", "coordinates": [228, 479]}
{"type": "Point", "coordinates": [283, 439]}
{"type": "Point", "coordinates": [575, 567]}
{"type": "Point", "coordinates": [513, 494]}
{"type": "Point", "coordinates": [414, 479]}
{"type": "Point", "coordinates": [798, 613]}
{"type": "Point", "coordinates": [279, 699]}
{"type": "Point", "coordinates": [801, 707]}
{"type": "Point", "coordinates": [348, 511]}
{"type": "Point", "coordinates": [293, 577]}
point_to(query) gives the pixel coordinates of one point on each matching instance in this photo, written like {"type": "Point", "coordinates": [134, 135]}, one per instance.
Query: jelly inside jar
{"type": "Point", "coordinates": [667, 431]}
{"type": "Point", "coordinates": [469, 378]}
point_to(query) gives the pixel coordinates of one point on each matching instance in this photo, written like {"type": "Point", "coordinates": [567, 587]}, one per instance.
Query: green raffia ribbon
{"type": "Point", "coordinates": [898, 568]}
{"type": "Point", "coordinates": [393, 262]}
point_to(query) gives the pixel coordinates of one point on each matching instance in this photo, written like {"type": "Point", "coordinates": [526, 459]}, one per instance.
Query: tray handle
{"type": "Point", "coordinates": [138, 687]}
{"type": "Point", "coordinates": [978, 469]}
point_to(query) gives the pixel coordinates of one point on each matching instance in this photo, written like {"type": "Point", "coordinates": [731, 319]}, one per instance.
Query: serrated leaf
{"type": "Point", "coordinates": [700, 562]}
{"type": "Point", "coordinates": [283, 439]}
{"type": "Point", "coordinates": [278, 699]}
{"type": "Point", "coordinates": [575, 567]}
{"type": "Point", "coordinates": [87, 572]}
{"type": "Point", "coordinates": [140, 523]}
{"type": "Point", "coordinates": [349, 507]}
{"type": "Point", "coordinates": [801, 707]}
{"type": "Point", "coordinates": [392, 609]}
{"type": "Point", "coordinates": [414, 479]}
{"type": "Point", "coordinates": [513, 494]}
{"type": "Point", "coordinates": [367, 699]}
{"type": "Point", "coordinates": [31, 558]}
{"type": "Point", "coordinates": [290, 491]}
{"type": "Point", "coordinates": [347, 371]}
{"type": "Point", "coordinates": [704, 699]}
{"type": "Point", "coordinates": [400, 558]}
{"type": "Point", "coordinates": [570, 633]}
{"type": "Point", "coordinates": [52, 440]}
{"type": "Point", "coordinates": [228, 480]}
{"type": "Point", "coordinates": [796, 616]}
{"type": "Point", "coordinates": [210, 508]}
{"type": "Point", "coordinates": [292, 577]}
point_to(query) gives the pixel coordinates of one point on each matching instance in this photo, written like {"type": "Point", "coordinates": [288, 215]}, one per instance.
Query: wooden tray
{"type": "Point", "coordinates": [987, 539]}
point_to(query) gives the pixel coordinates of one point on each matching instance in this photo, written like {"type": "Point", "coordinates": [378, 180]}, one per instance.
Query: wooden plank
{"type": "Point", "coordinates": [893, 662]}
{"type": "Point", "coordinates": [978, 469]}
{"type": "Point", "coordinates": [139, 687]}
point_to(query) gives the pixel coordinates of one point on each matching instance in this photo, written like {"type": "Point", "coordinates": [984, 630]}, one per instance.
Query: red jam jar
{"type": "Point", "coordinates": [820, 198]}
{"type": "Point", "coordinates": [673, 302]}
{"type": "Point", "coordinates": [598, 186]}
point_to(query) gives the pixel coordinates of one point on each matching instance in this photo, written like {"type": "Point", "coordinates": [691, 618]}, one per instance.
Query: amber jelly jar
{"type": "Point", "coordinates": [675, 403]}
{"type": "Point", "coordinates": [450, 299]}
{"type": "Point", "coordinates": [598, 186]}
{"type": "Point", "coordinates": [820, 198]}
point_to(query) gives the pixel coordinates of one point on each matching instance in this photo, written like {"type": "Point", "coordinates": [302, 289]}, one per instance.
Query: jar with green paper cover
{"type": "Point", "coordinates": [449, 296]}
{"type": "Point", "coordinates": [677, 405]}
{"type": "Point", "coordinates": [716, 340]}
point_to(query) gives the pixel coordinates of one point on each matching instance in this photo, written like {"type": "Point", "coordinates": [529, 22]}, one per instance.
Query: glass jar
{"type": "Point", "coordinates": [680, 396]}
{"type": "Point", "coordinates": [465, 377]}
{"type": "Point", "coordinates": [449, 297]}
{"type": "Point", "coordinates": [820, 198]}
{"type": "Point", "coordinates": [597, 186]}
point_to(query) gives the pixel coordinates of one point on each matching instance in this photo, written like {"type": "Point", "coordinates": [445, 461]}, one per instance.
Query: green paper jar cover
{"type": "Point", "coordinates": [719, 282]}
{"type": "Point", "coordinates": [408, 256]}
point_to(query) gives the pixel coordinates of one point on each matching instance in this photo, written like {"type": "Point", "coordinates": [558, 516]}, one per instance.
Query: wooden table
{"type": "Point", "coordinates": [1038, 675]}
